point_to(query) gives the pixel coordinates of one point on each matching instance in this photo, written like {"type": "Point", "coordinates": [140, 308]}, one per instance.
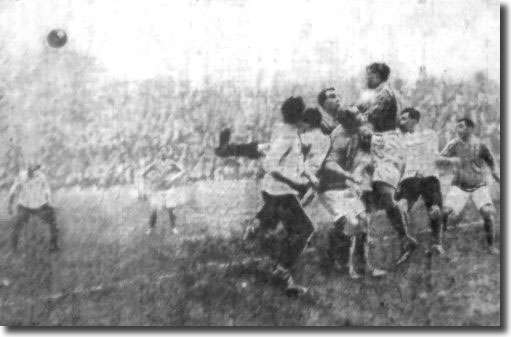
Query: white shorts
{"type": "Point", "coordinates": [457, 198]}
{"type": "Point", "coordinates": [342, 203]}
{"type": "Point", "coordinates": [387, 152]}
{"type": "Point", "coordinates": [172, 198]}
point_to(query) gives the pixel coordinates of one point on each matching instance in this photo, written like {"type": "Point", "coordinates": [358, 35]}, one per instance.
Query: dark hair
{"type": "Point", "coordinates": [468, 122]}
{"type": "Point", "coordinates": [322, 96]}
{"type": "Point", "coordinates": [312, 116]}
{"type": "Point", "coordinates": [292, 109]}
{"type": "Point", "coordinates": [348, 119]}
{"type": "Point", "coordinates": [413, 113]}
{"type": "Point", "coordinates": [381, 69]}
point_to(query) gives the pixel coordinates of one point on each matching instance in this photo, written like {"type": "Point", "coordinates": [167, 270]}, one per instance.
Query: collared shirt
{"type": "Point", "coordinates": [472, 153]}
{"type": "Point", "coordinates": [32, 192]}
{"type": "Point", "coordinates": [284, 156]}
{"type": "Point", "coordinates": [380, 108]}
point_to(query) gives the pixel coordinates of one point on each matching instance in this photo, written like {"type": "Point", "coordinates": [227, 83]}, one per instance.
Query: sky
{"type": "Point", "coordinates": [239, 40]}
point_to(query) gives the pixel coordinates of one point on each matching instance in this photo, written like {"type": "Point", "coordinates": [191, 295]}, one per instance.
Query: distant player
{"type": "Point", "coordinates": [380, 110]}
{"type": "Point", "coordinates": [158, 182]}
{"type": "Point", "coordinates": [421, 178]}
{"type": "Point", "coordinates": [281, 186]}
{"type": "Point", "coordinates": [469, 155]}
{"type": "Point", "coordinates": [33, 194]}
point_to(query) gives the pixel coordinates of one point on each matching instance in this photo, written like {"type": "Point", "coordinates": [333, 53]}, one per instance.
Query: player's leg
{"type": "Point", "coordinates": [407, 194]}
{"type": "Point", "coordinates": [265, 220]}
{"type": "Point", "coordinates": [153, 217]}
{"type": "Point", "coordinates": [384, 193]}
{"type": "Point", "coordinates": [21, 218]}
{"type": "Point", "coordinates": [484, 203]}
{"type": "Point", "coordinates": [364, 240]}
{"type": "Point", "coordinates": [225, 149]}
{"type": "Point", "coordinates": [354, 232]}
{"type": "Point", "coordinates": [156, 201]}
{"type": "Point", "coordinates": [47, 214]}
{"type": "Point", "coordinates": [432, 194]}
{"type": "Point", "coordinates": [172, 219]}
{"type": "Point", "coordinates": [299, 229]}
{"type": "Point", "coordinates": [337, 243]}
{"type": "Point", "coordinates": [455, 201]}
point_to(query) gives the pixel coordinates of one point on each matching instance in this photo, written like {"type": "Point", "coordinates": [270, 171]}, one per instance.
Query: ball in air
{"type": "Point", "coordinates": [57, 38]}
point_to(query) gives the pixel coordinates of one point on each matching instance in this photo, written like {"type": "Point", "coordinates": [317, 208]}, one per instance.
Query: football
{"type": "Point", "coordinates": [57, 38]}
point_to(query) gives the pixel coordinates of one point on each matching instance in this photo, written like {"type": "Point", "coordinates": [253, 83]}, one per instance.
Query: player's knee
{"type": "Point", "coordinates": [447, 211]}
{"type": "Point", "coordinates": [387, 201]}
{"type": "Point", "coordinates": [338, 227]}
{"type": "Point", "coordinates": [486, 211]}
{"type": "Point", "coordinates": [435, 212]}
{"type": "Point", "coordinates": [403, 205]}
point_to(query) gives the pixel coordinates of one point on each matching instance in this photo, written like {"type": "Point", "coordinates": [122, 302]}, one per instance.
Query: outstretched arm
{"type": "Point", "coordinates": [148, 169]}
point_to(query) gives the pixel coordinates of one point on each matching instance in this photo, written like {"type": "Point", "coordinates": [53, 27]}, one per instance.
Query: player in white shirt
{"type": "Point", "coordinates": [32, 194]}
{"type": "Point", "coordinates": [421, 178]}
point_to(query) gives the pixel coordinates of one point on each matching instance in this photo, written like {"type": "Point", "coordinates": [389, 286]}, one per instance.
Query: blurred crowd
{"type": "Point", "coordinates": [110, 137]}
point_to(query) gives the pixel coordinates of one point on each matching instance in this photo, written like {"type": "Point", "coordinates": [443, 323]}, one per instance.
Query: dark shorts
{"type": "Point", "coordinates": [427, 187]}
{"type": "Point", "coordinates": [283, 208]}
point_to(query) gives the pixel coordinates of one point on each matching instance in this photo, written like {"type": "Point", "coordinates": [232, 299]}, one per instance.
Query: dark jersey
{"type": "Point", "coordinates": [473, 154]}
{"type": "Point", "coordinates": [381, 109]}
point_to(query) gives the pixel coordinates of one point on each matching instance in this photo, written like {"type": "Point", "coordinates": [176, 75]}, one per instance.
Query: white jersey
{"type": "Point", "coordinates": [33, 192]}
{"type": "Point", "coordinates": [421, 150]}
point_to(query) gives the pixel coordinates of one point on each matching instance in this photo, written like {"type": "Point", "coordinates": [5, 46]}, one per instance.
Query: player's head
{"type": "Point", "coordinates": [376, 73]}
{"type": "Point", "coordinates": [365, 134]}
{"type": "Point", "coordinates": [351, 120]}
{"type": "Point", "coordinates": [409, 118]}
{"type": "Point", "coordinates": [312, 118]}
{"type": "Point", "coordinates": [292, 110]}
{"type": "Point", "coordinates": [329, 100]}
{"type": "Point", "coordinates": [465, 127]}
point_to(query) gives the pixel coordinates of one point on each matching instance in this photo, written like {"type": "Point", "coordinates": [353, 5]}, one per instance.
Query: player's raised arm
{"type": "Point", "coordinates": [253, 150]}
{"type": "Point", "coordinates": [13, 192]}
{"type": "Point", "coordinates": [153, 165]}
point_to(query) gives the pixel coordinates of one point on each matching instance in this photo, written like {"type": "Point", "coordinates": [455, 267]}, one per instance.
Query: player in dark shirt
{"type": "Point", "coordinates": [469, 155]}
{"type": "Point", "coordinates": [380, 110]}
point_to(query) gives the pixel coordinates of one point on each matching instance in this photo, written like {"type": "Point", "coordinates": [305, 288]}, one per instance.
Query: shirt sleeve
{"type": "Point", "coordinates": [449, 150]}
{"type": "Point", "coordinates": [279, 146]}
{"type": "Point", "coordinates": [487, 156]}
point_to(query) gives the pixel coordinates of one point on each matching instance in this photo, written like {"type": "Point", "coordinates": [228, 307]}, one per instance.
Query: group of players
{"type": "Point", "coordinates": [358, 160]}
{"type": "Point", "coordinates": [354, 160]}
